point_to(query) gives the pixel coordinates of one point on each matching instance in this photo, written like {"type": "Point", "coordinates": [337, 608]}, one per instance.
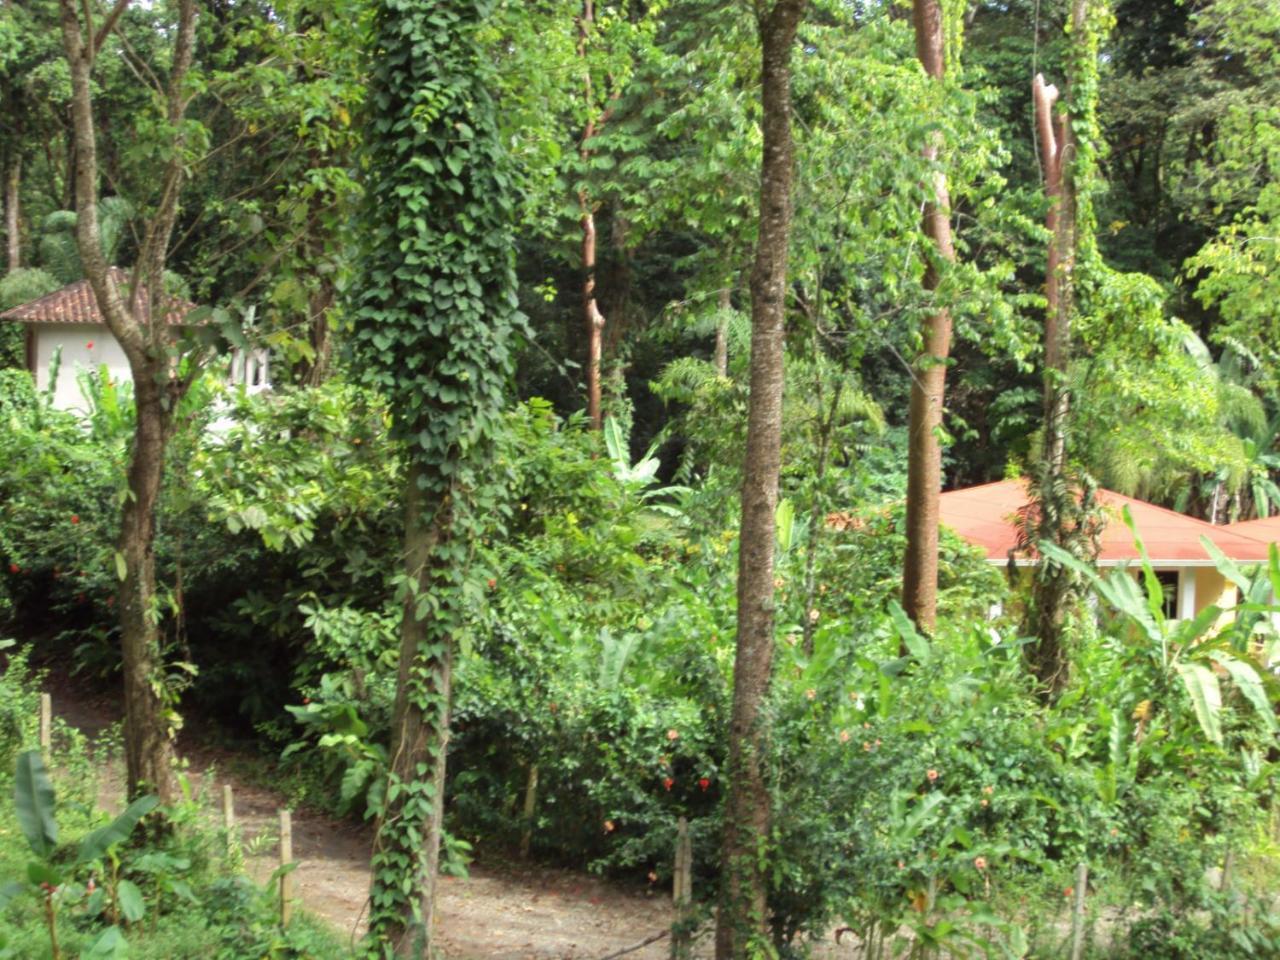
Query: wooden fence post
{"type": "Point", "coordinates": [682, 894]}
{"type": "Point", "coordinates": [1077, 912]}
{"type": "Point", "coordinates": [46, 724]}
{"type": "Point", "coordinates": [286, 858]}
{"type": "Point", "coordinates": [229, 816]}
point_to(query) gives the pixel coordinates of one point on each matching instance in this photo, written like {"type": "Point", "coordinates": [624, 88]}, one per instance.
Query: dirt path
{"type": "Point", "coordinates": [499, 912]}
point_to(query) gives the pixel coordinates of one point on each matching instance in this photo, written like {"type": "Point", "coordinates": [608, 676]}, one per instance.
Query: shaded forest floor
{"type": "Point", "coordinates": [502, 910]}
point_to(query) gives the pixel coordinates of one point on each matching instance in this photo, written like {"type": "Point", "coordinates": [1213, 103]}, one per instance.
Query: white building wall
{"type": "Point", "coordinates": [85, 346]}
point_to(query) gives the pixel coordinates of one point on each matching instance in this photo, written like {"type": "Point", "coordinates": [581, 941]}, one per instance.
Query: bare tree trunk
{"type": "Point", "coordinates": [743, 917]}
{"type": "Point", "coordinates": [928, 385]}
{"type": "Point", "coordinates": [12, 214]}
{"type": "Point", "coordinates": [142, 331]}
{"type": "Point", "coordinates": [419, 736]}
{"type": "Point", "coordinates": [720, 359]}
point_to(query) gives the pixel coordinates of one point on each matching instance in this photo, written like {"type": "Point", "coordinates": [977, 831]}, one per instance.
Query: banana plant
{"type": "Point", "coordinates": [49, 873]}
{"type": "Point", "coordinates": [640, 477]}
{"type": "Point", "coordinates": [1194, 651]}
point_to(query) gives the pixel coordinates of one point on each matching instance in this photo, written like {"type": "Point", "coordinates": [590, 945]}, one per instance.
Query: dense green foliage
{"type": "Point", "coordinates": [390, 199]}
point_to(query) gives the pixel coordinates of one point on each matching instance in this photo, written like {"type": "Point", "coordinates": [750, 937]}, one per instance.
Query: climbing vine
{"type": "Point", "coordinates": [434, 320]}
{"type": "Point", "coordinates": [1082, 107]}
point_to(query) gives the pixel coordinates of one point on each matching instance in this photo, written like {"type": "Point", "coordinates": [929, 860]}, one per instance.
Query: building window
{"type": "Point", "coordinates": [1169, 587]}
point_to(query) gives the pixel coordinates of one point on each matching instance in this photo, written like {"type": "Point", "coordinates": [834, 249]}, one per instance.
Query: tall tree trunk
{"type": "Point", "coordinates": [1055, 147]}
{"type": "Point", "coordinates": [743, 917]}
{"type": "Point", "coordinates": [928, 383]}
{"type": "Point", "coordinates": [1057, 510]}
{"type": "Point", "coordinates": [143, 333]}
{"type": "Point", "coordinates": [419, 735]}
{"type": "Point", "coordinates": [319, 303]}
{"type": "Point", "coordinates": [12, 214]}
{"type": "Point", "coordinates": [591, 315]}
{"type": "Point", "coordinates": [148, 748]}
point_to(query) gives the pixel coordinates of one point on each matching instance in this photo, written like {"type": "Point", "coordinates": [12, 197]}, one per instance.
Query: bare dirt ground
{"type": "Point", "coordinates": [500, 912]}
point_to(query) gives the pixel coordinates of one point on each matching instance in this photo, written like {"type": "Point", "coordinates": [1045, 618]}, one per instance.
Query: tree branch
{"type": "Point", "coordinates": [105, 30]}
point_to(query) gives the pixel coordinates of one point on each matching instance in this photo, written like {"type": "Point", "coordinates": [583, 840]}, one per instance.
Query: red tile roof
{"type": "Point", "coordinates": [986, 517]}
{"type": "Point", "coordinates": [76, 303]}
{"type": "Point", "coordinates": [1267, 529]}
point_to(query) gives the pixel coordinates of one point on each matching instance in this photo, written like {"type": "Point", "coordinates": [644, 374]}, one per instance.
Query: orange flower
{"type": "Point", "coordinates": [811, 693]}
{"type": "Point", "coordinates": [844, 736]}
{"type": "Point", "coordinates": [608, 826]}
{"type": "Point", "coordinates": [932, 775]}
{"type": "Point", "coordinates": [673, 734]}
{"type": "Point", "coordinates": [980, 862]}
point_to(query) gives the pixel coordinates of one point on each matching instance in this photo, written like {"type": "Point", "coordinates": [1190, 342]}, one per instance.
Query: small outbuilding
{"type": "Point", "coordinates": [68, 320]}
{"type": "Point", "coordinates": [987, 516]}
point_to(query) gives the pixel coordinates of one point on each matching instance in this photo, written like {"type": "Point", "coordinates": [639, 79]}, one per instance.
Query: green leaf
{"type": "Point", "coordinates": [1249, 684]}
{"type": "Point", "coordinates": [111, 945]}
{"type": "Point", "coordinates": [911, 638]}
{"type": "Point", "coordinates": [785, 520]}
{"type": "Point", "coordinates": [38, 873]}
{"type": "Point", "coordinates": [34, 801]}
{"type": "Point", "coordinates": [132, 906]}
{"type": "Point", "coordinates": [10, 890]}
{"type": "Point", "coordinates": [122, 568]}
{"type": "Point", "coordinates": [1206, 697]}
{"type": "Point", "coordinates": [97, 843]}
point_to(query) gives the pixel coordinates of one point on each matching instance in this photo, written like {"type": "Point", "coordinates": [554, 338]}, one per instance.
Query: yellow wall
{"type": "Point", "coordinates": [1213, 587]}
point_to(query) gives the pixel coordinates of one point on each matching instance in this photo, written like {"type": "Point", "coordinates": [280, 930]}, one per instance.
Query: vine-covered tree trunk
{"type": "Point", "coordinates": [1058, 515]}
{"type": "Point", "coordinates": [743, 916]}
{"type": "Point", "coordinates": [592, 318]}
{"type": "Point", "coordinates": [140, 324]}
{"type": "Point", "coordinates": [434, 320]}
{"type": "Point", "coordinates": [419, 728]}
{"type": "Point", "coordinates": [148, 748]}
{"type": "Point", "coordinates": [929, 372]}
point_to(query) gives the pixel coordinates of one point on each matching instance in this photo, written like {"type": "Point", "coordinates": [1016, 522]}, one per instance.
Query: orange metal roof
{"type": "Point", "coordinates": [986, 516]}
{"type": "Point", "coordinates": [75, 303]}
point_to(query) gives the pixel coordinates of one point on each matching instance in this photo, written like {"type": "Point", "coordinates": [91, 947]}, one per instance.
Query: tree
{"type": "Point", "coordinates": [742, 918]}
{"type": "Point", "coordinates": [435, 316]}
{"type": "Point", "coordinates": [1062, 511]}
{"type": "Point", "coordinates": [929, 371]}
{"type": "Point", "coordinates": [139, 318]}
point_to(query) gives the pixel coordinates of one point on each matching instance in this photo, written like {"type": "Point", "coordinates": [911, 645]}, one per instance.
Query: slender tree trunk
{"type": "Point", "coordinates": [142, 332]}
{"type": "Point", "coordinates": [419, 736]}
{"type": "Point", "coordinates": [724, 307]}
{"type": "Point", "coordinates": [148, 746]}
{"type": "Point", "coordinates": [12, 214]}
{"type": "Point", "coordinates": [928, 384]}
{"type": "Point", "coordinates": [591, 315]}
{"type": "Point", "coordinates": [817, 509]}
{"type": "Point", "coordinates": [743, 917]}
